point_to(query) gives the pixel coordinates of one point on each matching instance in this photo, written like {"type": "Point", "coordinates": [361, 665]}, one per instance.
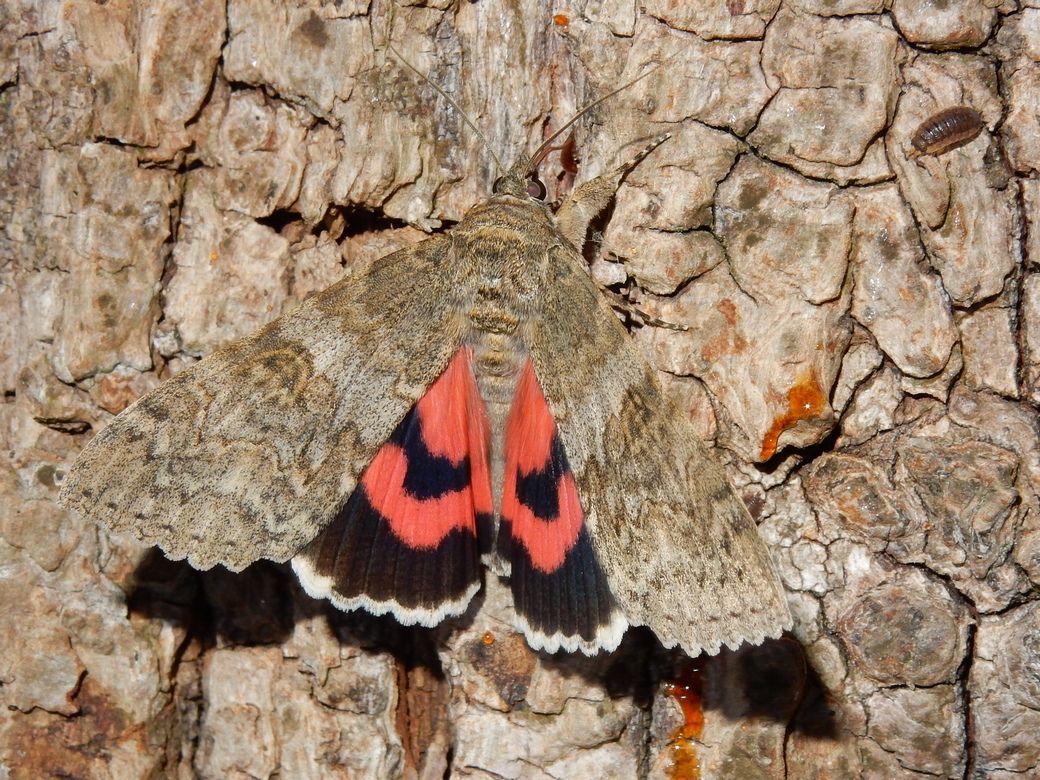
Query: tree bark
{"type": "Point", "coordinates": [859, 334]}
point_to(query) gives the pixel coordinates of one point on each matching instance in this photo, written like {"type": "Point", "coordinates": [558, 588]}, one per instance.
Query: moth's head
{"type": "Point", "coordinates": [521, 181]}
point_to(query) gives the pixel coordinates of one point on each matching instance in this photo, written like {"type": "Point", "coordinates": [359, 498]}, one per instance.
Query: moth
{"type": "Point", "coordinates": [469, 400]}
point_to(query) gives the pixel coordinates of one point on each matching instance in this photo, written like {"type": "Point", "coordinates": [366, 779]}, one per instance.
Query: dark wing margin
{"type": "Point", "coordinates": [249, 453]}
{"type": "Point", "coordinates": [680, 551]}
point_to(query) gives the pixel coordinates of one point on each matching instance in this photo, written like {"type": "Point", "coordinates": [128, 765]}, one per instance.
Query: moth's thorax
{"type": "Point", "coordinates": [526, 219]}
{"type": "Point", "coordinates": [504, 247]}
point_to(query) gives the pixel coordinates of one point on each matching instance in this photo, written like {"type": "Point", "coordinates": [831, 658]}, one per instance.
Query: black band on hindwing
{"type": "Point", "coordinates": [539, 490]}
{"type": "Point", "coordinates": [362, 556]}
{"type": "Point", "coordinates": [428, 475]}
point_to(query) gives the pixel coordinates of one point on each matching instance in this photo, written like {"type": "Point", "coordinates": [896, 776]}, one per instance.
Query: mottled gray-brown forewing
{"type": "Point", "coordinates": [249, 453]}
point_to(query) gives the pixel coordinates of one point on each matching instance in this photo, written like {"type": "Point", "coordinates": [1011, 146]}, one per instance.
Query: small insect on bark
{"type": "Point", "coordinates": [945, 131]}
{"type": "Point", "coordinates": [470, 399]}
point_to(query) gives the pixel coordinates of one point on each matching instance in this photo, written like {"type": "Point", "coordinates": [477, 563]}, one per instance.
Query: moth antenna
{"type": "Point", "coordinates": [543, 150]}
{"type": "Point", "coordinates": [446, 96]}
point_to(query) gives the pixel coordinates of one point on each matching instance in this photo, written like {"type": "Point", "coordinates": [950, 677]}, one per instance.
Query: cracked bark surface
{"type": "Point", "coordinates": [862, 342]}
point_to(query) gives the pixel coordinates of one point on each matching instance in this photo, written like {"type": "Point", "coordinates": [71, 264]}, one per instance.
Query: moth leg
{"type": "Point", "coordinates": [642, 319]}
{"type": "Point", "coordinates": [588, 200]}
{"type": "Point", "coordinates": [627, 308]}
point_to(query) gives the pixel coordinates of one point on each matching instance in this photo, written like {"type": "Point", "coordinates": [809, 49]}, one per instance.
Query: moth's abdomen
{"type": "Point", "coordinates": [498, 357]}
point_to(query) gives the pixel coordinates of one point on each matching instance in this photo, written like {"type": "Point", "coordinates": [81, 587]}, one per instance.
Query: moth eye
{"type": "Point", "coordinates": [535, 188]}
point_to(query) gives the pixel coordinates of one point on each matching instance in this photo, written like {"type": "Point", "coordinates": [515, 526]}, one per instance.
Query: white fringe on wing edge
{"type": "Point", "coordinates": [319, 586]}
